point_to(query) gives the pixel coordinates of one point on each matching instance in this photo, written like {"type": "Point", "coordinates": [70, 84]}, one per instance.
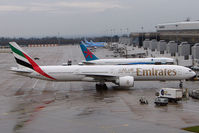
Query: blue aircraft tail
{"type": "Point", "coordinates": [96, 44]}
{"type": "Point", "coordinates": [86, 40]}
{"type": "Point", "coordinates": [89, 56]}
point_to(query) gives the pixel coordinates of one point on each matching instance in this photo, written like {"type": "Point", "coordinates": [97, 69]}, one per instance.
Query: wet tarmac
{"type": "Point", "coordinates": [35, 106]}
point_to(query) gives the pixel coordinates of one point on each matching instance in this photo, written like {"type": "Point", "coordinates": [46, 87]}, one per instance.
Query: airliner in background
{"type": "Point", "coordinates": [88, 45]}
{"type": "Point", "coordinates": [91, 59]}
{"type": "Point", "coordinates": [102, 43]}
{"type": "Point", "coordinates": [122, 75]}
{"type": "Point", "coordinates": [92, 44]}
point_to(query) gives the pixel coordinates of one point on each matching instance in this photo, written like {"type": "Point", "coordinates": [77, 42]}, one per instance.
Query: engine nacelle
{"type": "Point", "coordinates": [126, 81]}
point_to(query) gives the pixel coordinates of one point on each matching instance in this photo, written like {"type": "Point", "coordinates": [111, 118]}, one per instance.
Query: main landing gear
{"type": "Point", "coordinates": [101, 86]}
{"type": "Point", "coordinates": [181, 84]}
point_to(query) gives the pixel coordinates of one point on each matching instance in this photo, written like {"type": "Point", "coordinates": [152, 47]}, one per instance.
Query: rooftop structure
{"type": "Point", "coordinates": [179, 26]}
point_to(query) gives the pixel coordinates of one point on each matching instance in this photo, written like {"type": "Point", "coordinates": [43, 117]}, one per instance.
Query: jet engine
{"type": "Point", "coordinates": [126, 81]}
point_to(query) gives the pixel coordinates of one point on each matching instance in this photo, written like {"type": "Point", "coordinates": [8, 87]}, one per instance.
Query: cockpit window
{"type": "Point", "coordinates": [189, 70]}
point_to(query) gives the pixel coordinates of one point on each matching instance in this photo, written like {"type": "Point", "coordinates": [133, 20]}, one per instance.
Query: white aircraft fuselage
{"type": "Point", "coordinates": [131, 61]}
{"type": "Point", "coordinates": [111, 73]}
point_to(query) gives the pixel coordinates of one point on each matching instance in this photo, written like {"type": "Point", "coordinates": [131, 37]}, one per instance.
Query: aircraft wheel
{"type": "Point", "coordinates": [104, 87]}
{"type": "Point", "coordinates": [181, 84]}
{"type": "Point", "coordinates": [97, 86]}
{"type": "Point", "coordinates": [101, 87]}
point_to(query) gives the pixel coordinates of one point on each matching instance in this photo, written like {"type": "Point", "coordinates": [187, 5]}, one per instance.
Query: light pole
{"type": "Point", "coordinates": [111, 35]}
{"type": "Point", "coordinates": [121, 32]}
{"type": "Point", "coordinates": [156, 35]}
{"type": "Point", "coordinates": [106, 35]}
{"type": "Point", "coordinates": [176, 33]}
{"type": "Point", "coordinates": [142, 34]}
{"type": "Point", "coordinates": [127, 30]}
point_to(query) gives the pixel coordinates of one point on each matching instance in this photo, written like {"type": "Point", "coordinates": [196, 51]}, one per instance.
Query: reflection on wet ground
{"type": "Point", "coordinates": [84, 104]}
{"type": "Point", "coordinates": [29, 104]}
{"type": "Point", "coordinates": [32, 106]}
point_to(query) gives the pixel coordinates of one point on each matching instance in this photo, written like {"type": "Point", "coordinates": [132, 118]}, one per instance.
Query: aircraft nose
{"type": "Point", "coordinates": [193, 75]}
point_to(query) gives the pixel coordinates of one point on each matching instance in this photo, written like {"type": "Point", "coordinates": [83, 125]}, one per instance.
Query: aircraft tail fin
{"type": "Point", "coordinates": [23, 60]}
{"type": "Point", "coordinates": [86, 40]}
{"type": "Point", "coordinates": [89, 56]}
{"type": "Point", "coordinates": [21, 57]}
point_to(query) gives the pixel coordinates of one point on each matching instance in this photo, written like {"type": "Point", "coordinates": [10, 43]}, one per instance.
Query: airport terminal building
{"type": "Point", "coordinates": [187, 31]}
{"type": "Point", "coordinates": [179, 31]}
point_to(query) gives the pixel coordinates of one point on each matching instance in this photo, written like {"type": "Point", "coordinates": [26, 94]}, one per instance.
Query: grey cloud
{"type": "Point", "coordinates": [89, 17]}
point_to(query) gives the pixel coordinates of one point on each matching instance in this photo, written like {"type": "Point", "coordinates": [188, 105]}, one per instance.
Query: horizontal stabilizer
{"type": "Point", "coordinates": [15, 69]}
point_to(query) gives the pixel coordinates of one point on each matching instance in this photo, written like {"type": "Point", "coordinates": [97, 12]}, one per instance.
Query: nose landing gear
{"type": "Point", "coordinates": [181, 84]}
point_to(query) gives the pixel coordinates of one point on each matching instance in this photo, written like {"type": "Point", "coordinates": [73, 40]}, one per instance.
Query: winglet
{"type": "Point", "coordinates": [89, 56]}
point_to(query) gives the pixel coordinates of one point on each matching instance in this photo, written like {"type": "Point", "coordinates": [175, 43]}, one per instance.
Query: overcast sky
{"type": "Point", "coordinates": [73, 18]}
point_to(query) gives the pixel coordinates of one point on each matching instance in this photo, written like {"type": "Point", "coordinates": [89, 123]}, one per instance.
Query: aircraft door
{"type": "Point", "coordinates": [179, 73]}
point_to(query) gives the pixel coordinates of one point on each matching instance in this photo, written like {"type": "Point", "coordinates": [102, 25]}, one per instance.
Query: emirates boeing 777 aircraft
{"type": "Point", "coordinates": [122, 75]}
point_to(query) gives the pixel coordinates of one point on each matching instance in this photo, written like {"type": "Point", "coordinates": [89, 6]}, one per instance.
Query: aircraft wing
{"type": "Point", "coordinates": [98, 76]}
